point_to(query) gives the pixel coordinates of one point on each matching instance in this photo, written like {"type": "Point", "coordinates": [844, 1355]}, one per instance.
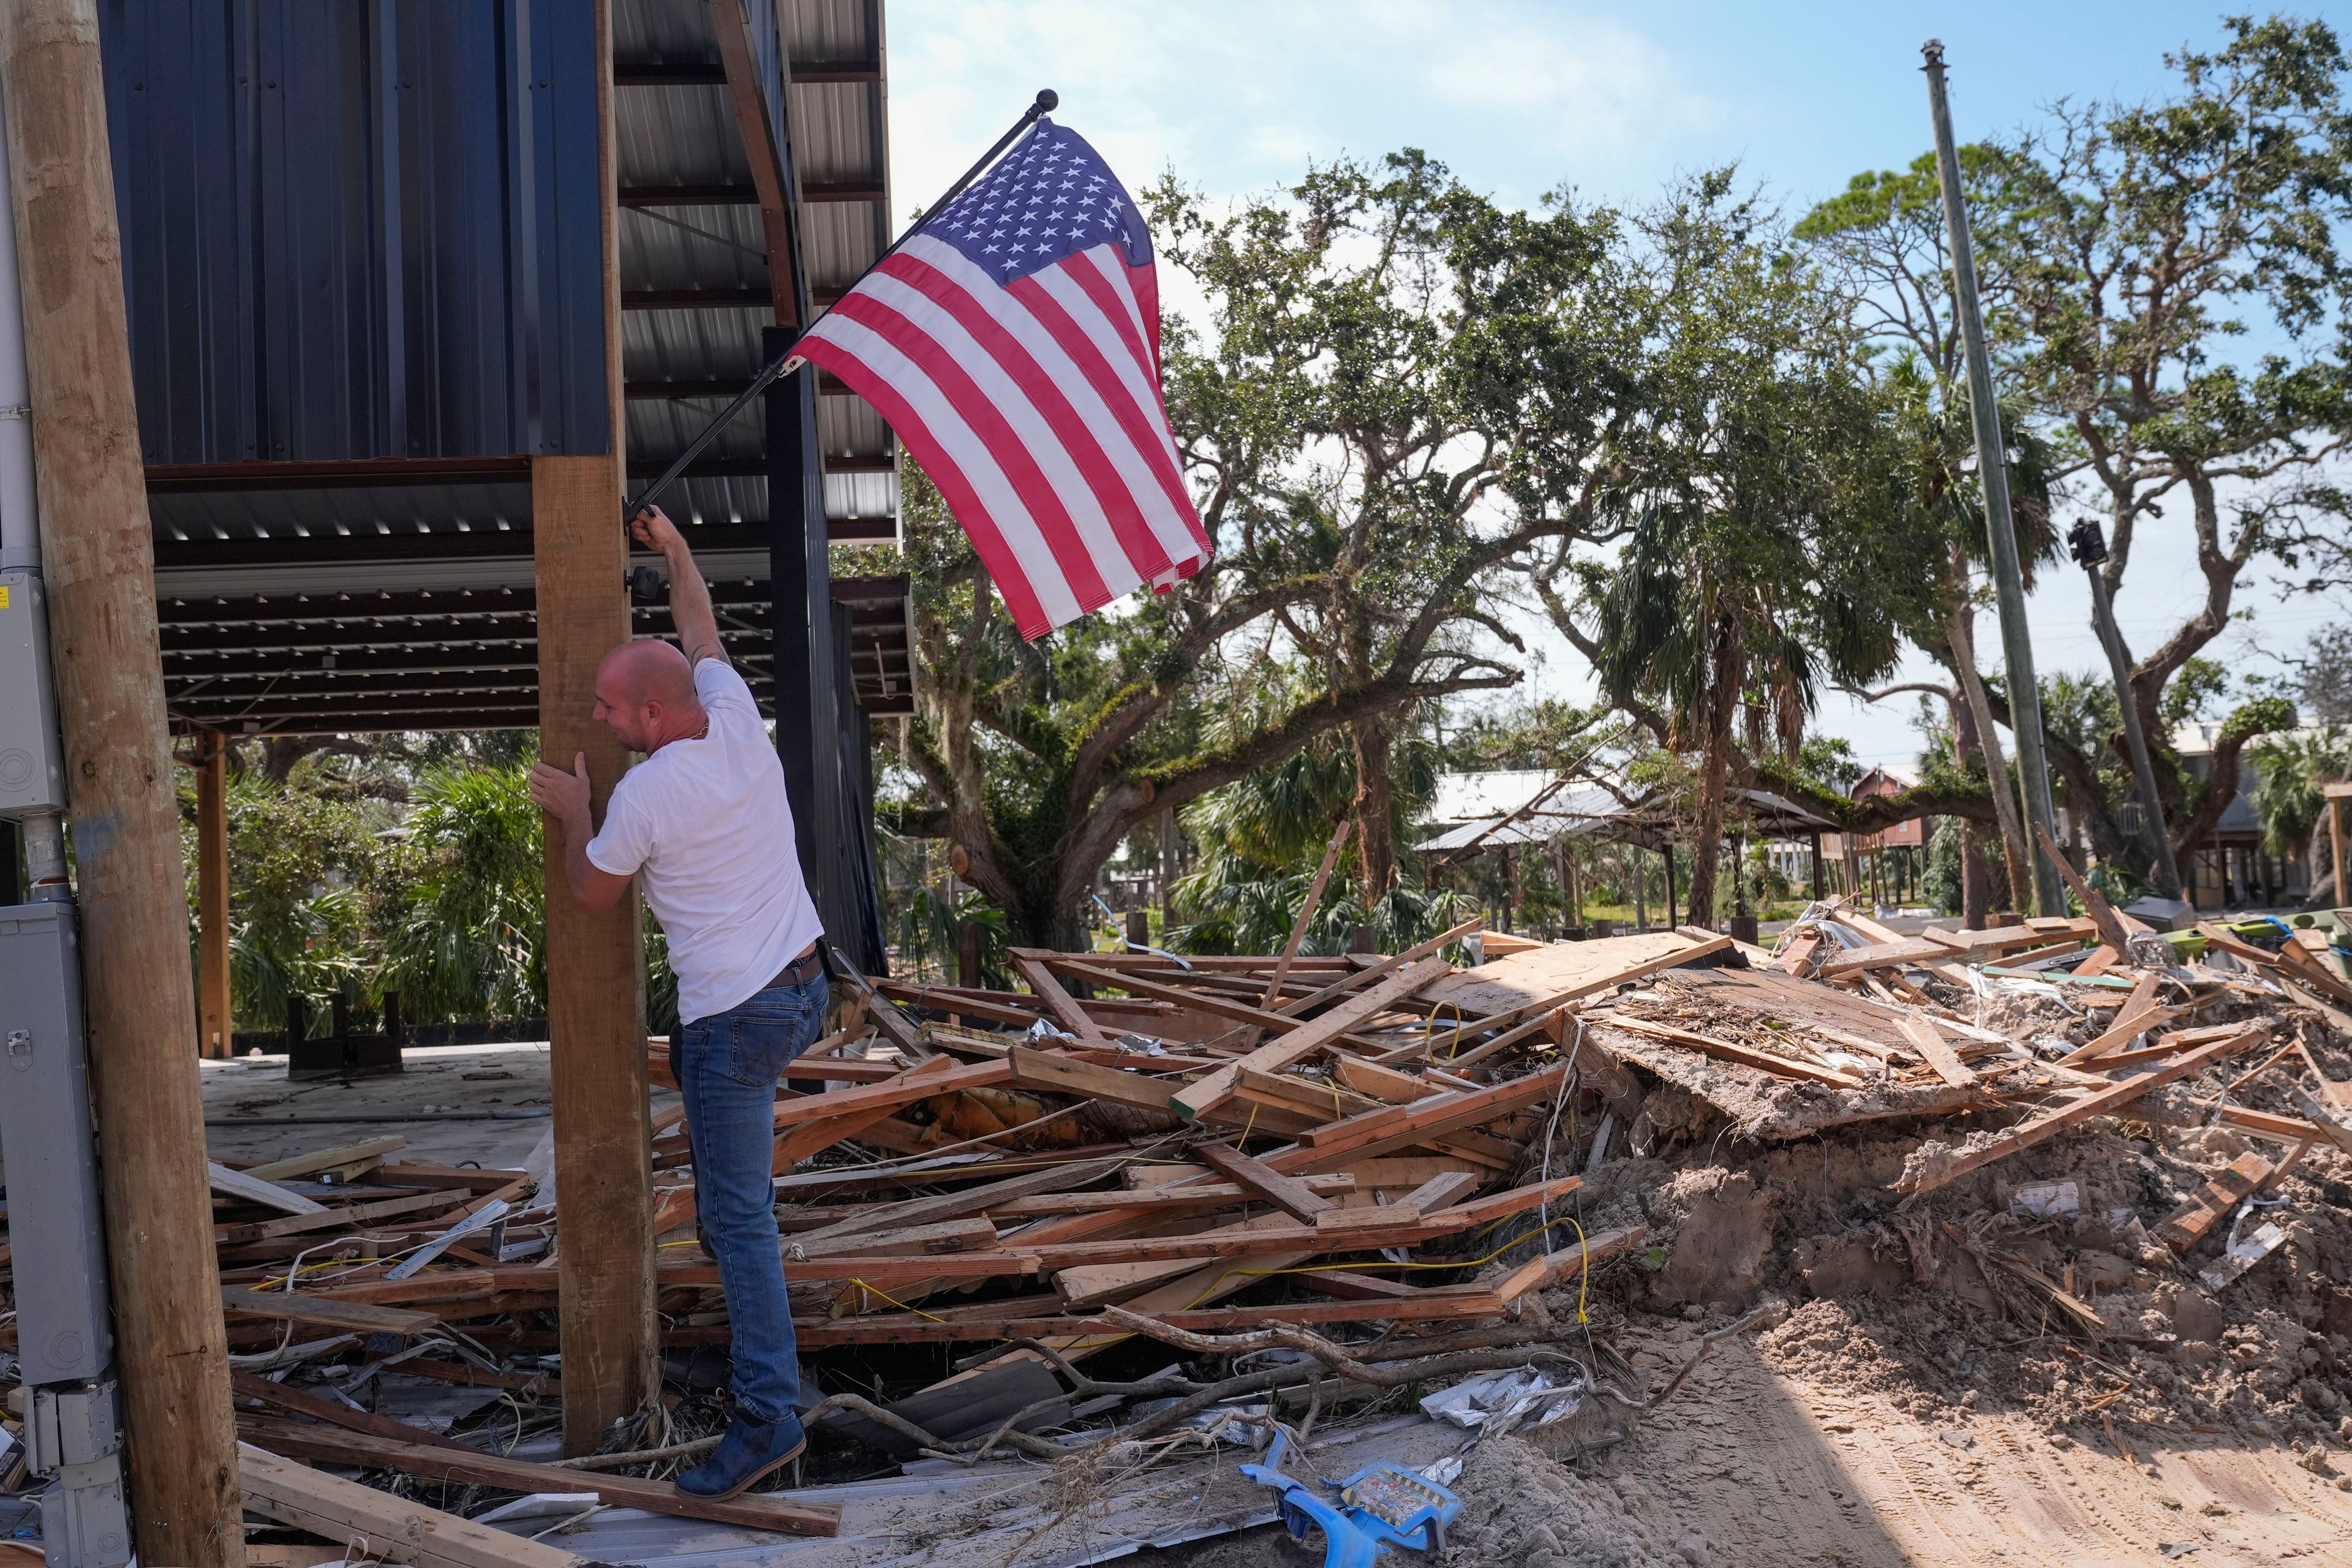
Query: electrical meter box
{"type": "Point", "coordinates": [32, 771]}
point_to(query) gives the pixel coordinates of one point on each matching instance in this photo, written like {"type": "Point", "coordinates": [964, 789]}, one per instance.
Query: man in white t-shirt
{"type": "Point", "coordinates": [703, 824]}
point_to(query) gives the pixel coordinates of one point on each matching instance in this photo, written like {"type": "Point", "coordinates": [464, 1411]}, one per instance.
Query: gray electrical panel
{"type": "Point", "coordinates": [62, 1334]}
{"type": "Point", "coordinates": [32, 772]}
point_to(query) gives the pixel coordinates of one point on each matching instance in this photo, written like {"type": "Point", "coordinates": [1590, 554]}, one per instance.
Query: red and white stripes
{"type": "Point", "coordinates": [1035, 408]}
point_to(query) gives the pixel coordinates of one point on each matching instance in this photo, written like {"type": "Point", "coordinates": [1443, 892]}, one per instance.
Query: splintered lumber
{"type": "Point", "coordinates": [1939, 1056]}
{"type": "Point", "coordinates": [2187, 1224]}
{"type": "Point", "coordinates": [1067, 1075]}
{"type": "Point", "coordinates": [1198, 1001]}
{"type": "Point", "coordinates": [2324, 1121]}
{"type": "Point", "coordinates": [2128, 1027]}
{"type": "Point", "coordinates": [251, 1189]}
{"type": "Point", "coordinates": [2097, 1102]}
{"type": "Point", "coordinates": [1306, 913]}
{"type": "Point", "coordinates": [1161, 1202]}
{"type": "Point", "coordinates": [1934, 947]}
{"type": "Point", "coordinates": [351, 1317]}
{"type": "Point", "coordinates": [1372, 973]}
{"type": "Point", "coordinates": [988, 1199]}
{"type": "Point", "coordinates": [1763, 1061]}
{"type": "Point", "coordinates": [1066, 1011]}
{"type": "Point", "coordinates": [749, 1511]}
{"type": "Point", "coordinates": [1525, 984]}
{"type": "Point", "coordinates": [396, 1529]}
{"type": "Point", "coordinates": [325, 1218]}
{"type": "Point", "coordinates": [2111, 927]}
{"type": "Point", "coordinates": [1288, 1193]}
{"type": "Point", "coordinates": [1305, 1040]}
{"type": "Point", "coordinates": [918, 1082]}
{"type": "Point", "coordinates": [1395, 1127]}
{"type": "Point", "coordinates": [334, 1413]}
{"type": "Point", "coordinates": [1568, 1263]}
{"type": "Point", "coordinates": [370, 1150]}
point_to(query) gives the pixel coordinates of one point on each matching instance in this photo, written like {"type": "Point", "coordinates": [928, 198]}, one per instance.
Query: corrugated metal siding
{"type": "Point", "coordinates": [360, 229]}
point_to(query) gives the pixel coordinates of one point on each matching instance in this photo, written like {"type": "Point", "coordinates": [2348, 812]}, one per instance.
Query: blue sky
{"type": "Point", "coordinates": [1520, 98]}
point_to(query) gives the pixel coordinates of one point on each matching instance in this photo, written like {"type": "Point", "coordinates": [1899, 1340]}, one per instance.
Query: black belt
{"type": "Point", "coordinates": [800, 971]}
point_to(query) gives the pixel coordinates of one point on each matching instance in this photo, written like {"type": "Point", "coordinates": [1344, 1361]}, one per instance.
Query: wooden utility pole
{"type": "Point", "coordinates": [139, 1008]}
{"type": "Point", "coordinates": [215, 1028]}
{"type": "Point", "coordinates": [595, 963]}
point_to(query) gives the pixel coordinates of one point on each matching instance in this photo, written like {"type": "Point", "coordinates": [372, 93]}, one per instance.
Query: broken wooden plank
{"type": "Point", "coordinates": [750, 1510]}
{"type": "Point", "coordinates": [1568, 1263]}
{"type": "Point", "coordinates": [1939, 1056]}
{"type": "Point", "coordinates": [2187, 1224]}
{"type": "Point", "coordinates": [396, 1529]}
{"type": "Point", "coordinates": [351, 1317]}
{"type": "Point", "coordinates": [1066, 1075]}
{"type": "Point", "coordinates": [1306, 913]}
{"type": "Point", "coordinates": [1215, 1089]}
{"type": "Point", "coordinates": [326, 1218]}
{"type": "Point", "coordinates": [1726, 1050]}
{"type": "Point", "coordinates": [1373, 973]}
{"type": "Point", "coordinates": [2094, 1103]}
{"type": "Point", "coordinates": [1066, 1011]}
{"type": "Point", "coordinates": [366, 1149]}
{"type": "Point", "coordinates": [334, 1413]}
{"type": "Point", "coordinates": [2113, 931]}
{"type": "Point", "coordinates": [252, 1189]}
{"type": "Point", "coordinates": [2125, 1030]}
{"type": "Point", "coordinates": [1288, 1193]}
{"type": "Point", "coordinates": [922, 1082]}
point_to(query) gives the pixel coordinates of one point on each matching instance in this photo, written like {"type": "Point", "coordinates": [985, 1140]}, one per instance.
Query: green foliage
{"type": "Point", "coordinates": [1942, 883]}
{"type": "Point", "coordinates": [2194, 692]}
{"type": "Point", "coordinates": [2289, 772]}
{"type": "Point", "coordinates": [1830, 760]}
{"type": "Point", "coordinates": [465, 933]}
{"type": "Point", "coordinates": [931, 936]}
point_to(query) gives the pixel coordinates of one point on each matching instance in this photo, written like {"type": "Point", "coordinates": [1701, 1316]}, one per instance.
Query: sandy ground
{"type": "Point", "coordinates": [1764, 1470]}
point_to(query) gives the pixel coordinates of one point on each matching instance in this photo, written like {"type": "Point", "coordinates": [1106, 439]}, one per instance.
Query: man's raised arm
{"type": "Point", "coordinates": [690, 595]}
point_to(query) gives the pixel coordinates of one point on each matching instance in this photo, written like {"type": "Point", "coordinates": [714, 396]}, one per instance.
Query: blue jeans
{"type": "Point", "coordinates": [728, 1065]}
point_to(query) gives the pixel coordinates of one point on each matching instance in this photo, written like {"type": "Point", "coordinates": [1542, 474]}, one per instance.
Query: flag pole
{"type": "Point", "coordinates": [788, 361]}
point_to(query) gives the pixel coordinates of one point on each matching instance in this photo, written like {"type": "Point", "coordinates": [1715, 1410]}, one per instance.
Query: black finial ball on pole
{"type": "Point", "coordinates": [1047, 100]}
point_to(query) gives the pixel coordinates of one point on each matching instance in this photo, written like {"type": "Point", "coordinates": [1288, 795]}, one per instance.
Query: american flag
{"type": "Point", "coordinates": [1013, 343]}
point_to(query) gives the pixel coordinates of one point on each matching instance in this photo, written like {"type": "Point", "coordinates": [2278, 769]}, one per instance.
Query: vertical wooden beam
{"type": "Point", "coordinates": [595, 964]}
{"type": "Point", "coordinates": [215, 1028]}
{"type": "Point", "coordinates": [771, 175]}
{"type": "Point", "coordinates": [2339, 796]}
{"type": "Point", "coordinates": [139, 1001]}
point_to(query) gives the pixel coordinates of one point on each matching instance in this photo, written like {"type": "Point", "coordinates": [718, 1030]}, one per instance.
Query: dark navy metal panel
{"type": "Point", "coordinates": [369, 229]}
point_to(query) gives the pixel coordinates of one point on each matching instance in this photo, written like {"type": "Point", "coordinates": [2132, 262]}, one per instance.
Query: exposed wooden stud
{"type": "Point", "coordinates": [215, 1028]}
{"type": "Point", "coordinates": [596, 966]}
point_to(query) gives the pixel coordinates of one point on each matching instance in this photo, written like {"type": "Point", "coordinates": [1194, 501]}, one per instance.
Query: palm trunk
{"type": "Point", "coordinates": [2004, 799]}
{"type": "Point", "coordinates": [1708, 848]}
{"type": "Point", "coordinates": [1375, 844]}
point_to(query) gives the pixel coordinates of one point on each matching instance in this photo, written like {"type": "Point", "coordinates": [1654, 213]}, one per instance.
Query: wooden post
{"type": "Point", "coordinates": [968, 969]}
{"type": "Point", "coordinates": [1669, 853]}
{"type": "Point", "coordinates": [2338, 794]}
{"type": "Point", "coordinates": [595, 964]}
{"type": "Point", "coordinates": [1818, 893]}
{"type": "Point", "coordinates": [139, 1006]}
{"type": "Point", "coordinates": [215, 1028]}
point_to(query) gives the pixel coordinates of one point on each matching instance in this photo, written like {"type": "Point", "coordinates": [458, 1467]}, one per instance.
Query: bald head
{"type": "Point", "coordinates": [644, 694]}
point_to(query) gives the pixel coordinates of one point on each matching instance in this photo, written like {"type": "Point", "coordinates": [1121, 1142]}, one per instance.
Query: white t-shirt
{"type": "Point", "coordinates": [709, 824]}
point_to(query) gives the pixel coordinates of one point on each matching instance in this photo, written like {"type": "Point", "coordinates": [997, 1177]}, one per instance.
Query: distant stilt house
{"type": "Point", "coordinates": [2231, 869]}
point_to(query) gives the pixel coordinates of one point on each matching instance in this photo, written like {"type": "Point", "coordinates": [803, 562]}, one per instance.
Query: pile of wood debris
{"type": "Point", "coordinates": [1371, 1166]}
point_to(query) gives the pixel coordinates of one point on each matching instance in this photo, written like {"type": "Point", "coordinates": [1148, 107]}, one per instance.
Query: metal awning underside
{"type": "Point", "coordinates": [323, 565]}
